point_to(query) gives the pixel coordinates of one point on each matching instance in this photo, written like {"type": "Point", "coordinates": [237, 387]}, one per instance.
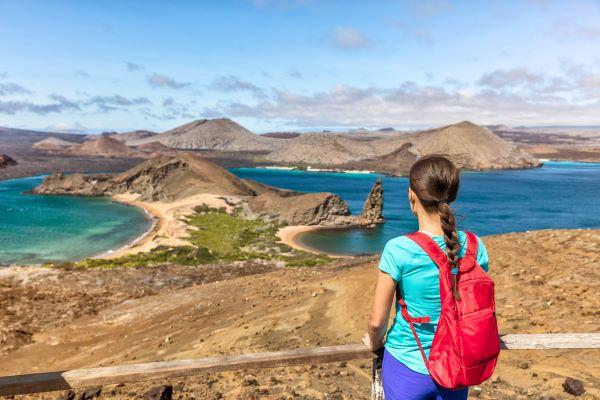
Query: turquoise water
{"type": "Point", "coordinates": [558, 195]}
{"type": "Point", "coordinates": [36, 229]}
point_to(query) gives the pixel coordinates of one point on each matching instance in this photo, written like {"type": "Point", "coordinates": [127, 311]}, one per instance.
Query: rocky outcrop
{"type": "Point", "coordinates": [302, 208]}
{"type": "Point", "coordinates": [165, 178]}
{"type": "Point", "coordinates": [76, 185]}
{"type": "Point", "coordinates": [326, 209]}
{"type": "Point", "coordinates": [170, 178]}
{"type": "Point", "coordinates": [6, 161]}
{"type": "Point", "coordinates": [161, 178]}
{"type": "Point", "coordinates": [372, 212]}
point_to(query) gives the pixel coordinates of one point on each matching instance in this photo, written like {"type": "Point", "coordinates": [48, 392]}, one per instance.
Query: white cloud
{"type": "Point", "coordinates": [347, 38]}
{"type": "Point", "coordinates": [231, 83]}
{"type": "Point", "coordinates": [67, 127]}
{"type": "Point", "coordinates": [510, 78]}
{"type": "Point", "coordinates": [160, 81]}
{"type": "Point", "coordinates": [514, 96]}
{"type": "Point", "coordinates": [9, 88]}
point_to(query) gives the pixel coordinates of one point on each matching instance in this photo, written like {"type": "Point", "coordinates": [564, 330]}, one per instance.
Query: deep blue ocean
{"type": "Point", "coordinates": [557, 195]}
{"type": "Point", "coordinates": [35, 229]}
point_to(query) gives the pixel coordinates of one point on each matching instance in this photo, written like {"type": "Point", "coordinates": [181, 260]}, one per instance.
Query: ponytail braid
{"type": "Point", "coordinates": [448, 223]}
{"type": "Point", "coordinates": [435, 180]}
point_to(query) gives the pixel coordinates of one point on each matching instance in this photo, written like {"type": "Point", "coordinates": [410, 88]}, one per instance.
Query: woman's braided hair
{"type": "Point", "coordinates": [435, 181]}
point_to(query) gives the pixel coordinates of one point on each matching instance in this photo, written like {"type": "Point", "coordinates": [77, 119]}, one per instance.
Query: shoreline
{"type": "Point", "coordinates": [169, 227]}
{"type": "Point", "coordinates": [290, 234]}
{"type": "Point", "coordinates": [152, 215]}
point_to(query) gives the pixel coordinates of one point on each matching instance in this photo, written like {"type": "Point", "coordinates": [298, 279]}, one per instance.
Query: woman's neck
{"type": "Point", "coordinates": [430, 223]}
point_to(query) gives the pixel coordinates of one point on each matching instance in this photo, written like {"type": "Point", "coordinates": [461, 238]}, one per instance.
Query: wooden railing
{"type": "Point", "coordinates": [81, 378]}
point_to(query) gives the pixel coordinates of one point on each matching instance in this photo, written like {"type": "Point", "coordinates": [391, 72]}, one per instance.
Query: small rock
{"type": "Point", "coordinates": [523, 364]}
{"type": "Point", "coordinates": [250, 380]}
{"type": "Point", "coordinates": [68, 395]}
{"type": "Point", "coordinates": [163, 392]}
{"type": "Point", "coordinates": [573, 386]}
{"type": "Point", "coordinates": [90, 393]}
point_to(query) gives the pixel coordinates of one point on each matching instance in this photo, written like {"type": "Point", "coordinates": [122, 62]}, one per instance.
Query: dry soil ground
{"type": "Point", "coordinates": [547, 281]}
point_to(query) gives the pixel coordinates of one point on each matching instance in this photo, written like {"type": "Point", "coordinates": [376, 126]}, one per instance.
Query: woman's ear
{"type": "Point", "coordinates": [412, 200]}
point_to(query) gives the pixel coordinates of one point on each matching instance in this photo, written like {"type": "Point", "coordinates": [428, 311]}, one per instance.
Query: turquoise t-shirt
{"type": "Point", "coordinates": [418, 279]}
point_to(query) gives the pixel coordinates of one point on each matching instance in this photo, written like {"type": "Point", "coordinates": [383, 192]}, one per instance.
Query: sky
{"type": "Point", "coordinates": [282, 65]}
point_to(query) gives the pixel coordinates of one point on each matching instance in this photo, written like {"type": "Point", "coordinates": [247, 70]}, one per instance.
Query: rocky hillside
{"type": "Point", "coordinates": [322, 148]}
{"type": "Point", "coordinates": [396, 163]}
{"type": "Point", "coordinates": [130, 137]}
{"type": "Point", "coordinates": [6, 161]}
{"type": "Point", "coordinates": [104, 146]}
{"type": "Point", "coordinates": [81, 318]}
{"type": "Point", "coordinates": [153, 147]}
{"type": "Point", "coordinates": [472, 147]}
{"type": "Point", "coordinates": [171, 178]}
{"type": "Point", "coordinates": [53, 145]}
{"type": "Point", "coordinates": [211, 134]}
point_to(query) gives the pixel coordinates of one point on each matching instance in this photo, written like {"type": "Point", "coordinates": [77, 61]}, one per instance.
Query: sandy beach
{"type": "Point", "coordinates": [289, 235]}
{"type": "Point", "coordinates": [169, 228]}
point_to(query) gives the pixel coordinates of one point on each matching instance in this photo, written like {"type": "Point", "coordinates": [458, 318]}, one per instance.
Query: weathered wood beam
{"type": "Point", "coordinates": [80, 378]}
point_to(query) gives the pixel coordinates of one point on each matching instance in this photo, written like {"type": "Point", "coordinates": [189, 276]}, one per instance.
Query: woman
{"type": "Point", "coordinates": [406, 268]}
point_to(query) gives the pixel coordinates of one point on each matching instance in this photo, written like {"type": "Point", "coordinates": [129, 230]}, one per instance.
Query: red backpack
{"type": "Point", "coordinates": [466, 345]}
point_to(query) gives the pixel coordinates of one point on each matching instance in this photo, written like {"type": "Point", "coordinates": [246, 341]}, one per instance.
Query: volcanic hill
{"type": "Point", "coordinates": [472, 147]}
{"type": "Point", "coordinates": [469, 145]}
{"type": "Point", "coordinates": [129, 137]}
{"type": "Point", "coordinates": [104, 146]}
{"type": "Point", "coordinates": [53, 144]}
{"type": "Point", "coordinates": [211, 134]}
{"type": "Point", "coordinates": [324, 148]}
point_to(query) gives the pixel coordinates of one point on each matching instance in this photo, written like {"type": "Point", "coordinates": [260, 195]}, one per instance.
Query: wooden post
{"type": "Point", "coordinates": [80, 378]}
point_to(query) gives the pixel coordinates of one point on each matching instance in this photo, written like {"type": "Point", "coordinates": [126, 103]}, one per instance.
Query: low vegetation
{"type": "Point", "coordinates": [215, 236]}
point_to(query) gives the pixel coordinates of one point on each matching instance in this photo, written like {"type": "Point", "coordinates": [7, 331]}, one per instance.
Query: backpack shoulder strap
{"type": "Point", "coordinates": [431, 248]}
{"type": "Point", "coordinates": [472, 245]}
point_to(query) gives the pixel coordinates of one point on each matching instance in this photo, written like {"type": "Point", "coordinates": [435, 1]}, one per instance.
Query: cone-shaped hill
{"type": "Point", "coordinates": [472, 146]}
{"type": "Point", "coordinates": [104, 146]}
{"type": "Point", "coordinates": [212, 134]}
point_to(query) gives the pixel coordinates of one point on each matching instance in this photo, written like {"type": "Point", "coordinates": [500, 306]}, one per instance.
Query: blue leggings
{"type": "Point", "coordinates": [402, 383]}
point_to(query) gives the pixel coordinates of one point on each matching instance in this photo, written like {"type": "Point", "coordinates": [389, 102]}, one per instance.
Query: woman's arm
{"type": "Point", "coordinates": [380, 311]}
